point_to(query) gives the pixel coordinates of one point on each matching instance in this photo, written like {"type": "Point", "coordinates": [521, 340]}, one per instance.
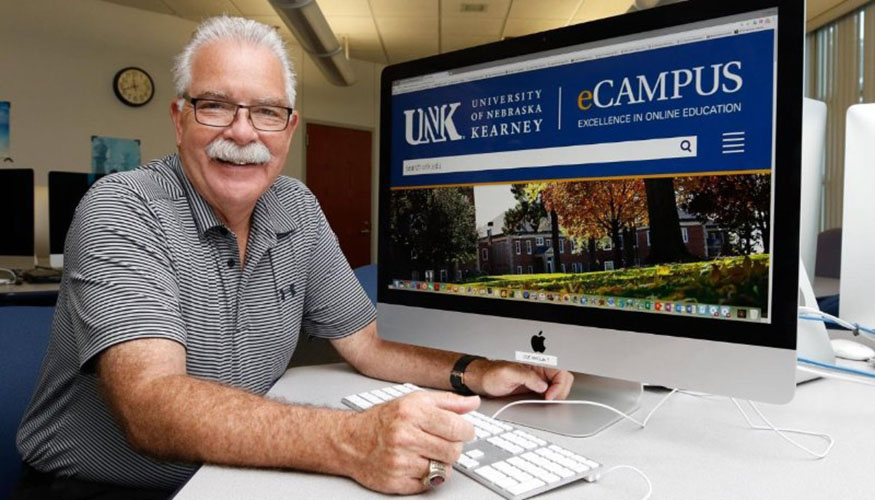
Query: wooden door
{"type": "Point", "coordinates": [339, 174]}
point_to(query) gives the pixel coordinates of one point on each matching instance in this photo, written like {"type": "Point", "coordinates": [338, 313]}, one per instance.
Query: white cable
{"type": "Point", "coordinates": [854, 327]}
{"type": "Point", "coordinates": [832, 374]}
{"type": "Point", "coordinates": [587, 403]}
{"type": "Point", "coordinates": [817, 312]}
{"type": "Point", "coordinates": [5, 281]}
{"type": "Point", "coordinates": [783, 431]}
{"type": "Point", "coordinates": [635, 469]}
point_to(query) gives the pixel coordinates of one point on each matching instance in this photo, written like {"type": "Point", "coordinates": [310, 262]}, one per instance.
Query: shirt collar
{"type": "Point", "coordinates": [269, 211]}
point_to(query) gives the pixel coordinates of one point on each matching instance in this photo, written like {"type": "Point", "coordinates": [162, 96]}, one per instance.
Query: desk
{"type": "Point", "coordinates": [43, 294]}
{"type": "Point", "coordinates": [694, 448]}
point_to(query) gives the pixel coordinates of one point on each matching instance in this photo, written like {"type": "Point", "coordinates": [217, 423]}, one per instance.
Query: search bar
{"type": "Point", "coordinates": [606, 152]}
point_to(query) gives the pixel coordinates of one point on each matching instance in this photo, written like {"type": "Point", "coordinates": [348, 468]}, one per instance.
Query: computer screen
{"type": "Point", "coordinates": [619, 198]}
{"type": "Point", "coordinates": [66, 189]}
{"type": "Point", "coordinates": [16, 224]}
{"type": "Point", "coordinates": [857, 272]}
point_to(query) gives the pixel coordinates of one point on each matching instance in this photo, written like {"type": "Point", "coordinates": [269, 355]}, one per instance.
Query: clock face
{"type": "Point", "coordinates": [133, 86]}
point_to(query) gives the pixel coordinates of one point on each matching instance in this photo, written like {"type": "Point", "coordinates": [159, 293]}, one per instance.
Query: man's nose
{"type": "Point", "coordinates": [241, 129]}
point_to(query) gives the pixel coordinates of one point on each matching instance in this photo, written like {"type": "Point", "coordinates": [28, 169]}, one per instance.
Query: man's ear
{"type": "Point", "coordinates": [177, 116]}
{"type": "Point", "coordinates": [293, 125]}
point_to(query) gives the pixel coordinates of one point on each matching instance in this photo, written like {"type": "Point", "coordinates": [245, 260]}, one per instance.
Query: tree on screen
{"type": "Point", "coordinates": [738, 203]}
{"type": "Point", "coordinates": [666, 240]}
{"type": "Point", "coordinates": [432, 228]}
{"type": "Point", "coordinates": [597, 209]}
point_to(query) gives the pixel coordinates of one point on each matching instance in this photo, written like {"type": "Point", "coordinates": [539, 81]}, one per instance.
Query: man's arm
{"type": "Point", "coordinates": [387, 360]}
{"type": "Point", "coordinates": [172, 416]}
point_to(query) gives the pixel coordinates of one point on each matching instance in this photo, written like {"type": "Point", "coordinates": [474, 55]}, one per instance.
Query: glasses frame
{"type": "Point", "coordinates": [194, 100]}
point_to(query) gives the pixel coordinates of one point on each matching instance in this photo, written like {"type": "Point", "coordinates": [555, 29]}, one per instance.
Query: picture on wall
{"type": "Point", "coordinates": [5, 150]}
{"type": "Point", "coordinates": [113, 154]}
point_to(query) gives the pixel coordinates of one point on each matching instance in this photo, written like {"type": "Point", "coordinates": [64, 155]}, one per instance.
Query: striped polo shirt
{"type": "Point", "coordinates": [147, 257]}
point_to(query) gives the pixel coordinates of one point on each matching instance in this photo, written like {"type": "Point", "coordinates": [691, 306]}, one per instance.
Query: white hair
{"type": "Point", "coordinates": [240, 29]}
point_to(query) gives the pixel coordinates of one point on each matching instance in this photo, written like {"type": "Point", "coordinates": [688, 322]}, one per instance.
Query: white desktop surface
{"type": "Point", "coordinates": [693, 448]}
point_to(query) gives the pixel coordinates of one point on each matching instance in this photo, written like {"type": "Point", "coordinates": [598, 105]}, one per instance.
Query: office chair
{"type": "Point", "coordinates": [24, 336]}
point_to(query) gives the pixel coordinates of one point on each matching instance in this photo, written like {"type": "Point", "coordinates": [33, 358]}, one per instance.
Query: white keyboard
{"type": "Point", "coordinates": [509, 461]}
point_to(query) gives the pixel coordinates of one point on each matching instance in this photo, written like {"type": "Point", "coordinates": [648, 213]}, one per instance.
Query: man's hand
{"type": "Point", "coordinates": [392, 443]}
{"type": "Point", "coordinates": [502, 378]}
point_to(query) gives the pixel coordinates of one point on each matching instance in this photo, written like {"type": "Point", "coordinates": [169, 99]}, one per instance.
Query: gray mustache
{"type": "Point", "coordinates": [227, 150]}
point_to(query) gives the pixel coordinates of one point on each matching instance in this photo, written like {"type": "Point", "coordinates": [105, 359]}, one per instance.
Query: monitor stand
{"type": "Point", "coordinates": [579, 420]}
{"type": "Point", "coordinates": [812, 339]}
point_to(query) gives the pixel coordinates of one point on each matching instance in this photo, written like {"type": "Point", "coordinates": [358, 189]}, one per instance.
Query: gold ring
{"type": "Point", "coordinates": [436, 474]}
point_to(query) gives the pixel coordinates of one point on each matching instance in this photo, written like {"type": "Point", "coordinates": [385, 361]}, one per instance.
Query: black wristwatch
{"type": "Point", "coordinates": [457, 376]}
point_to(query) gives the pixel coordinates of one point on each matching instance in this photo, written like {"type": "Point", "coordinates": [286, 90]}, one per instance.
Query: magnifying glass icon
{"type": "Point", "coordinates": [685, 146]}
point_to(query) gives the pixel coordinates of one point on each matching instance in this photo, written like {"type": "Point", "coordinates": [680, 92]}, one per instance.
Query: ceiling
{"type": "Point", "coordinates": [392, 31]}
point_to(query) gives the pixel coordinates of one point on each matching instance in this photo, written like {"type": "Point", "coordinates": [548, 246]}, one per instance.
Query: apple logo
{"type": "Point", "coordinates": [538, 342]}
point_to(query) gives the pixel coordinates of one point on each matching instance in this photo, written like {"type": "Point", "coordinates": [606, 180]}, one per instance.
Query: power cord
{"type": "Point", "coordinates": [813, 313]}
{"type": "Point", "coordinates": [783, 431]}
{"type": "Point", "coordinates": [6, 281]}
{"type": "Point", "coordinates": [597, 477]}
{"type": "Point", "coordinates": [829, 368]}
{"type": "Point", "coordinates": [588, 403]}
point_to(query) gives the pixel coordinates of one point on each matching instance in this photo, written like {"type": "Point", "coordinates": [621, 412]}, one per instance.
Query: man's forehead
{"type": "Point", "coordinates": [240, 72]}
{"type": "Point", "coordinates": [222, 95]}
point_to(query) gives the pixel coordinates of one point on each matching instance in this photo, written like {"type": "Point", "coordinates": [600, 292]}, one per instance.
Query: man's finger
{"type": "Point", "coordinates": [446, 425]}
{"type": "Point", "coordinates": [533, 381]}
{"type": "Point", "coordinates": [436, 448]}
{"type": "Point", "coordinates": [454, 402]}
{"type": "Point", "coordinates": [561, 385]}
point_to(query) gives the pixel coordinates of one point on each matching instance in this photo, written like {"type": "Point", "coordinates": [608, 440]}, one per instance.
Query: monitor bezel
{"type": "Point", "coordinates": [29, 245]}
{"type": "Point", "coordinates": [780, 332]}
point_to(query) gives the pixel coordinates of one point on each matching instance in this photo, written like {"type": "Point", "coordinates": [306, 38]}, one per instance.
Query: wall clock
{"type": "Point", "coordinates": [133, 86]}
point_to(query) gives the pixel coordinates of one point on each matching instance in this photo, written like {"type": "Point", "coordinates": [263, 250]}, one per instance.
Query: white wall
{"type": "Point", "coordinates": [57, 62]}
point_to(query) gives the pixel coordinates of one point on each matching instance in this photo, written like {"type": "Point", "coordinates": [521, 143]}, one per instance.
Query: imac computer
{"type": "Point", "coordinates": [16, 219]}
{"type": "Point", "coordinates": [858, 240]}
{"type": "Point", "coordinates": [812, 338]}
{"type": "Point", "coordinates": [618, 198]}
{"type": "Point", "coordinates": [66, 189]}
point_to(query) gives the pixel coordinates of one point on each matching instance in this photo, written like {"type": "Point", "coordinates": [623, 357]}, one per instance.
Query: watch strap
{"type": "Point", "coordinates": [457, 376]}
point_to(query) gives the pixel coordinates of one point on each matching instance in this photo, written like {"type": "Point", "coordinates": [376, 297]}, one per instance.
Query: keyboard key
{"type": "Point", "coordinates": [505, 467]}
{"type": "Point", "coordinates": [490, 474]}
{"type": "Point", "coordinates": [530, 437]}
{"type": "Point", "coordinates": [474, 454]}
{"type": "Point", "coordinates": [360, 402]}
{"type": "Point", "coordinates": [505, 445]}
{"type": "Point", "coordinates": [371, 398]}
{"type": "Point", "coordinates": [526, 486]}
{"type": "Point", "coordinates": [467, 462]}
{"type": "Point", "coordinates": [403, 389]}
{"type": "Point", "coordinates": [507, 482]}
{"type": "Point", "coordinates": [382, 395]}
{"type": "Point", "coordinates": [393, 392]}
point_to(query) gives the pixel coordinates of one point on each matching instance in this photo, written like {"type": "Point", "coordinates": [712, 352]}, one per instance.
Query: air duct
{"type": "Point", "coordinates": [649, 4]}
{"type": "Point", "coordinates": [306, 22]}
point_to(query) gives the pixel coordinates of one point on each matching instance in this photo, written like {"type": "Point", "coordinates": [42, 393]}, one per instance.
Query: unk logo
{"type": "Point", "coordinates": [432, 124]}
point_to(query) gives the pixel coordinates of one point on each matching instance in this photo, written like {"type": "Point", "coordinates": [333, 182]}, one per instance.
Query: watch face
{"type": "Point", "coordinates": [133, 86]}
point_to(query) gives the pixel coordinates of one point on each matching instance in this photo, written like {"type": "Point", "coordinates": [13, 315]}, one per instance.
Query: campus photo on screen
{"type": "Point", "coordinates": [634, 176]}
{"type": "Point", "coordinates": [694, 245]}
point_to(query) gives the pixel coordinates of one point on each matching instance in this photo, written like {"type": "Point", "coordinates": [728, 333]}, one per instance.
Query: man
{"type": "Point", "coordinates": [186, 284]}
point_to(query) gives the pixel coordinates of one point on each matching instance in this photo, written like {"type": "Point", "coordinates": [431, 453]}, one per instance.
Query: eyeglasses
{"type": "Point", "coordinates": [215, 113]}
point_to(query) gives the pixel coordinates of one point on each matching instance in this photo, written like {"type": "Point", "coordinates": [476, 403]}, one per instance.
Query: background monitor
{"type": "Point", "coordinates": [616, 198]}
{"type": "Point", "coordinates": [16, 218]}
{"type": "Point", "coordinates": [66, 189]}
{"type": "Point", "coordinates": [858, 273]}
{"type": "Point", "coordinates": [813, 145]}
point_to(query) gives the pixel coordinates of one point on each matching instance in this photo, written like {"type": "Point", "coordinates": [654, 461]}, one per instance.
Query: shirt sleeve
{"type": "Point", "coordinates": [335, 304]}
{"type": "Point", "coordinates": [119, 280]}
